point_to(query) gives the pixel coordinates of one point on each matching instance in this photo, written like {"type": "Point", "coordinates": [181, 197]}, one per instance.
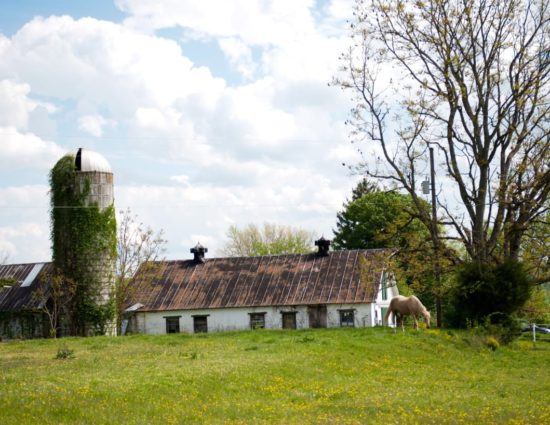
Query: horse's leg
{"type": "Point", "coordinates": [415, 322]}
{"type": "Point", "coordinates": [403, 323]}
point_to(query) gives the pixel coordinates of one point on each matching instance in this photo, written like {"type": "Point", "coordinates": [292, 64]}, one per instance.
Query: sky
{"type": "Point", "coordinates": [211, 113]}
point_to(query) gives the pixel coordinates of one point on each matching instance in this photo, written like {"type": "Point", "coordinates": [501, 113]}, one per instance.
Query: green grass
{"type": "Point", "coordinates": [288, 377]}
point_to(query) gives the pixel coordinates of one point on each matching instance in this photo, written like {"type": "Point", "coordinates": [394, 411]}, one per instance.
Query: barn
{"type": "Point", "coordinates": [23, 294]}
{"type": "Point", "coordinates": [348, 288]}
{"type": "Point", "coordinates": [295, 291]}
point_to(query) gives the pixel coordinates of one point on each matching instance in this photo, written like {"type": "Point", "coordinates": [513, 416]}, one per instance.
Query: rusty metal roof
{"type": "Point", "coordinates": [283, 280]}
{"type": "Point", "coordinates": [27, 278]}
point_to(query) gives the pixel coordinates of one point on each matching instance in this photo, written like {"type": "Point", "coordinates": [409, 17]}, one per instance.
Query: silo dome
{"type": "Point", "coordinates": [90, 161]}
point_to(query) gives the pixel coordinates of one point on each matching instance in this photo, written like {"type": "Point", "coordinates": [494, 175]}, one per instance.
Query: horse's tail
{"type": "Point", "coordinates": [386, 317]}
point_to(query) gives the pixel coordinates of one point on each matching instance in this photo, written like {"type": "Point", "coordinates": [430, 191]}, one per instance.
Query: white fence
{"type": "Point", "coordinates": [540, 331]}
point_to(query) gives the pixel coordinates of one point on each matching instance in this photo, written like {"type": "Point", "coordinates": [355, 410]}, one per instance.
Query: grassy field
{"type": "Point", "coordinates": [288, 377]}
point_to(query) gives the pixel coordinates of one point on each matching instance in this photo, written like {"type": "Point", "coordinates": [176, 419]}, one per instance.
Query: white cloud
{"type": "Point", "coordinates": [151, 118]}
{"type": "Point", "coordinates": [101, 63]}
{"type": "Point", "coordinates": [239, 55]}
{"type": "Point", "coordinates": [16, 106]}
{"type": "Point", "coordinates": [24, 232]}
{"type": "Point", "coordinates": [26, 149]}
{"type": "Point", "coordinates": [147, 84]}
{"type": "Point", "coordinates": [25, 242]}
{"type": "Point", "coordinates": [209, 154]}
{"type": "Point", "coordinates": [195, 239]}
{"type": "Point", "coordinates": [183, 179]}
{"type": "Point", "coordinates": [340, 9]}
{"type": "Point", "coordinates": [92, 124]}
{"type": "Point", "coordinates": [275, 193]}
{"type": "Point", "coordinates": [310, 59]}
{"type": "Point", "coordinates": [256, 22]}
{"type": "Point", "coordinates": [20, 197]}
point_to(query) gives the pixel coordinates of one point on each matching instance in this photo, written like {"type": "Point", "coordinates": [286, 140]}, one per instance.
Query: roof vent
{"type": "Point", "coordinates": [199, 252]}
{"type": "Point", "coordinates": [324, 246]}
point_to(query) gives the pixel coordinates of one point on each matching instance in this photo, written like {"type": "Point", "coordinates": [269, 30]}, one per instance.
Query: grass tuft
{"type": "Point", "coordinates": [64, 352]}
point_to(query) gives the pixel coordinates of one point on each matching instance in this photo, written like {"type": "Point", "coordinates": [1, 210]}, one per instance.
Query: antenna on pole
{"type": "Point", "coordinates": [425, 186]}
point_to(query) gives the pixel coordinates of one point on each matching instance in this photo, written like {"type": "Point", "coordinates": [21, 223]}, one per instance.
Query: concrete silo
{"type": "Point", "coordinates": [84, 238]}
{"type": "Point", "coordinates": [93, 169]}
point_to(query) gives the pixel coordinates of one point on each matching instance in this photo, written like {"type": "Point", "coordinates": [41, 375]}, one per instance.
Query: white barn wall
{"type": "Point", "coordinates": [219, 320]}
{"type": "Point", "coordinates": [362, 314]}
{"type": "Point", "coordinates": [228, 319]}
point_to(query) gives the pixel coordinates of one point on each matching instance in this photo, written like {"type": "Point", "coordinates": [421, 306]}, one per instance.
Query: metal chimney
{"type": "Point", "coordinates": [198, 251]}
{"type": "Point", "coordinates": [323, 245]}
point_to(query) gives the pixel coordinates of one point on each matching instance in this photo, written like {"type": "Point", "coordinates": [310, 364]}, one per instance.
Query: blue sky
{"type": "Point", "coordinates": [211, 113]}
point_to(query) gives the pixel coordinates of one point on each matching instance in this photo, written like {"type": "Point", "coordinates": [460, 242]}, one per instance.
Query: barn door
{"type": "Point", "coordinates": [289, 320]}
{"type": "Point", "coordinates": [317, 316]}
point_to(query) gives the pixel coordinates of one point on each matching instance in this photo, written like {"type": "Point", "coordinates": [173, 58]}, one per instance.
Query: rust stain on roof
{"type": "Point", "coordinates": [261, 281]}
{"type": "Point", "coordinates": [342, 277]}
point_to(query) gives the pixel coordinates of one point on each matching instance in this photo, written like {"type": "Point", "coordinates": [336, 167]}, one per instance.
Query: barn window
{"type": "Point", "coordinates": [289, 319]}
{"type": "Point", "coordinates": [347, 318]}
{"type": "Point", "coordinates": [200, 324]}
{"type": "Point", "coordinates": [257, 320]}
{"type": "Point", "coordinates": [172, 324]}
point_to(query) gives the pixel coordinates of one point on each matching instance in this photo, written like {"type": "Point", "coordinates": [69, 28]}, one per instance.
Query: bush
{"type": "Point", "coordinates": [484, 289]}
{"type": "Point", "coordinates": [64, 352]}
{"type": "Point", "coordinates": [492, 343]}
{"type": "Point", "coordinates": [503, 327]}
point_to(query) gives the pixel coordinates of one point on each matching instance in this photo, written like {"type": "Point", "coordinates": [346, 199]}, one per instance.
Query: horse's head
{"type": "Point", "coordinates": [427, 318]}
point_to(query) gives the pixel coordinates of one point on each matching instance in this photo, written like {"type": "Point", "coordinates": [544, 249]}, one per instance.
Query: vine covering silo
{"type": "Point", "coordinates": [83, 235]}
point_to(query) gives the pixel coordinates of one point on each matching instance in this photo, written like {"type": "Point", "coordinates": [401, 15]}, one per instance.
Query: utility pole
{"type": "Point", "coordinates": [437, 268]}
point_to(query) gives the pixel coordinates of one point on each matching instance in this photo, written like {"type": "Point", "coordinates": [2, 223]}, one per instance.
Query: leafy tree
{"type": "Point", "coordinates": [344, 222]}
{"type": "Point", "coordinates": [271, 239]}
{"type": "Point", "coordinates": [376, 220]}
{"type": "Point", "coordinates": [137, 246]}
{"type": "Point", "coordinates": [364, 187]}
{"type": "Point", "coordinates": [470, 78]}
{"type": "Point", "coordinates": [485, 289]}
{"type": "Point", "coordinates": [386, 220]}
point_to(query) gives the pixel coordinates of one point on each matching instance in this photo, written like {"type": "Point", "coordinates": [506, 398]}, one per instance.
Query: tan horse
{"type": "Point", "coordinates": [402, 306]}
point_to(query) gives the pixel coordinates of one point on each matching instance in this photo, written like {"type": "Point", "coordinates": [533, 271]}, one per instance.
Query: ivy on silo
{"type": "Point", "coordinates": [83, 239]}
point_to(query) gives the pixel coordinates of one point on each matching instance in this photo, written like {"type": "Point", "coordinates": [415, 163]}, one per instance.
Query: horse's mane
{"type": "Point", "coordinates": [417, 304]}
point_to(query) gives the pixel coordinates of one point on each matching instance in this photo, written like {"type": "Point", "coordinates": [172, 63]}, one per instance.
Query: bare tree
{"type": "Point", "coordinates": [470, 78]}
{"type": "Point", "coordinates": [4, 257]}
{"type": "Point", "coordinates": [138, 247]}
{"type": "Point", "coordinates": [53, 297]}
